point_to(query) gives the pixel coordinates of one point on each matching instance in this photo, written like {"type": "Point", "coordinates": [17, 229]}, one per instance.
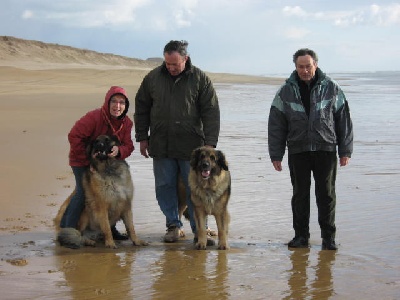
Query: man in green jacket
{"type": "Point", "coordinates": [176, 111]}
{"type": "Point", "coordinates": [310, 115]}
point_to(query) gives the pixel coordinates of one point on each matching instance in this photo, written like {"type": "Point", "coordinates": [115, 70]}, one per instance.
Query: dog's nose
{"type": "Point", "coordinates": [205, 164]}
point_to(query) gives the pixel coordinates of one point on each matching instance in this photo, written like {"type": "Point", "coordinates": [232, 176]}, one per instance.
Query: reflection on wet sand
{"type": "Point", "coordinates": [322, 286]}
{"type": "Point", "coordinates": [161, 272]}
{"type": "Point", "coordinates": [191, 275]}
{"type": "Point", "coordinates": [89, 275]}
{"type": "Point", "coordinates": [311, 282]}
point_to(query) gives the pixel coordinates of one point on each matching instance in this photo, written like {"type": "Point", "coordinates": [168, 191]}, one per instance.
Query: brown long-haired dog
{"type": "Point", "coordinates": [108, 191]}
{"type": "Point", "coordinates": [210, 185]}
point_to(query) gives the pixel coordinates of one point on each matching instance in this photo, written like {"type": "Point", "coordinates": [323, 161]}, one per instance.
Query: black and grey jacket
{"type": "Point", "coordinates": [328, 125]}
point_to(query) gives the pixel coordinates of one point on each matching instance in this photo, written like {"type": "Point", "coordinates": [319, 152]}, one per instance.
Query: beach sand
{"type": "Point", "coordinates": [44, 89]}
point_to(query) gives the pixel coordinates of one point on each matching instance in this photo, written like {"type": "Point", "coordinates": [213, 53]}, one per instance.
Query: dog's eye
{"type": "Point", "coordinates": [212, 157]}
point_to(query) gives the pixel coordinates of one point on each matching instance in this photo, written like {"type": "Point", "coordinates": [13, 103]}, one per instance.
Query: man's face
{"type": "Point", "coordinates": [306, 67]}
{"type": "Point", "coordinates": [175, 63]}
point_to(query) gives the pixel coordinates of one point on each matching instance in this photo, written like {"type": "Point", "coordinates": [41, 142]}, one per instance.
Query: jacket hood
{"type": "Point", "coordinates": [111, 92]}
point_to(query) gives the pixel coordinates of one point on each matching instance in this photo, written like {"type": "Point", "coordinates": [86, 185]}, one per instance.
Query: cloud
{"type": "Point", "coordinates": [375, 15]}
{"type": "Point", "coordinates": [385, 16]}
{"type": "Point", "coordinates": [294, 11]}
{"type": "Point", "coordinates": [184, 13]}
{"type": "Point", "coordinates": [137, 14]}
{"type": "Point", "coordinates": [296, 33]}
{"type": "Point", "coordinates": [180, 19]}
{"type": "Point", "coordinates": [27, 14]}
{"type": "Point", "coordinates": [88, 13]}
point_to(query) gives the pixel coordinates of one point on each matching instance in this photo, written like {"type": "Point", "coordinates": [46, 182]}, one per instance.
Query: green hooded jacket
{"type": "Point", "coordinates": [176, 115]}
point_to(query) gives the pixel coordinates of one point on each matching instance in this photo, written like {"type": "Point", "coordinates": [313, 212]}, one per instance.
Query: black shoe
{"type": "Point", "coordinates": [210, 241]}
{"type": "Point", "coordinates": [328, 244]}
{"type": "Point", "coordinates": [298, 242]}
{"type": "Point", "coordinates": [117, 235]}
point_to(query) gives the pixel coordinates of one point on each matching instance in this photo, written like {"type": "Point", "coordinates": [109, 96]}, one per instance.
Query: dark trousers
{"type": "Point", "coordinates": [323, 166]}
{"type": "Point", "coordinates": [77, 204]}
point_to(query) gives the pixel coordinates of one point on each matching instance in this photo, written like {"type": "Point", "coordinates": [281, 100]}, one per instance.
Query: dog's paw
{"type": "Point", "coordinates": [111, 244]}
{"type": "Point", "coordinates": [200, 246]}
{"type": "Point", "coordinates": [89, 242]}
{"type": "Point", "coordinates": [223, 247]}
{"type": "Point", "coordinates": [138, 242]}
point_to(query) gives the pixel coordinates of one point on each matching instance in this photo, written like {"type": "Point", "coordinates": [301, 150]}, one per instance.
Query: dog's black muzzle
{"type": "Point", "coordinates": [205, 167]}
{"type": "Point", "coordinates": [101, 150]}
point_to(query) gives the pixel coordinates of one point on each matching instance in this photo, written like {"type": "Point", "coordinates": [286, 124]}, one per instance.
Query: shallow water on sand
{"type": "Point", "coordinates": [259, 264]}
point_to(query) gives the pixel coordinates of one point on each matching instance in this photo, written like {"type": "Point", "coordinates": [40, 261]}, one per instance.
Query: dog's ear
{"type": "Point", "coordinates": [89, 148]}
{"type": "Point", "coordinates": [115, 139]}
{"type": "Point", "coordinates": [221, 161]}
{"type": "Point", "coordinates": [194, 158]}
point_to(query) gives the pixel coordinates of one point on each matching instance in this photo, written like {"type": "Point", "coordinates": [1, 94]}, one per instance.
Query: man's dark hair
{"type": "Point", "coordinates": [305, 51]}
{"type": "Point", "coordinates": [176, 46]}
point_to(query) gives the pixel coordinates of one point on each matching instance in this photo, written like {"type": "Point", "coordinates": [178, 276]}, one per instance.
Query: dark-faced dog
{"type": "Point", "coordinates": [108, 190]}
{"type": "Point", "coordinates": [210, 185]}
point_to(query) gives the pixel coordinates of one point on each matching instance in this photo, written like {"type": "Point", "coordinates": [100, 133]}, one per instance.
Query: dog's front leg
{"type": "Point", "coordinates": [222, 220]}
{"type": "Point", "coordinates": [105, 227]}
{"type": "Point", "coordinates": [201, 232]}
{"type": "Point", "coordinates": [127, 218]}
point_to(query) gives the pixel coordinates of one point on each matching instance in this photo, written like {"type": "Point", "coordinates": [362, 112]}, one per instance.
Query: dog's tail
{"type": "Point", "coordinates": [72, 238]}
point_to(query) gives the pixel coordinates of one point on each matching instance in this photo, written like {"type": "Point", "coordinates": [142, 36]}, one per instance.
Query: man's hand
{"type": "Point", "coordinates": [277, 165]}
{"type": "Point", "coordinates": [344, 161]}
{"type": "Point", "coordinates": [144, 145]}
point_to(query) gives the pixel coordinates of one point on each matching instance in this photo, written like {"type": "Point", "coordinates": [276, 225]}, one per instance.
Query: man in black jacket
{"type": "Point", "coordinates": [310, 115]}
{"type": "Point", "coordinates": [176, 111]}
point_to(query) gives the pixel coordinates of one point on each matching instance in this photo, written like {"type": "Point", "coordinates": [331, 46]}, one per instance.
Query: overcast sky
{"type": "Point", "coordinates": [236, 36]}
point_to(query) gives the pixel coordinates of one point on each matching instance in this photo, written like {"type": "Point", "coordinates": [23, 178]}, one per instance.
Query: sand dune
{"type": "Point", "coordinates": [29, 54]}
{"type": "Point", "coordinates": [37, 55]}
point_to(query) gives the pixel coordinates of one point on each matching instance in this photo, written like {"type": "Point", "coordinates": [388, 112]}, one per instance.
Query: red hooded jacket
{"type": "Point", "coordinates": [98, 122]}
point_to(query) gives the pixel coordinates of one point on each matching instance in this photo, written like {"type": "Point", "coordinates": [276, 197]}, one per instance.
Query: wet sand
{"type": "Point", "coordinates": [38, 108]}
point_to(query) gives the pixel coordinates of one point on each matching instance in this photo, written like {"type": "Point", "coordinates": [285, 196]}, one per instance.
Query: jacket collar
{"type": "Point", "coordinates": [294, 77]}
{"type": "Point", "coordinates": [188, 67]}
